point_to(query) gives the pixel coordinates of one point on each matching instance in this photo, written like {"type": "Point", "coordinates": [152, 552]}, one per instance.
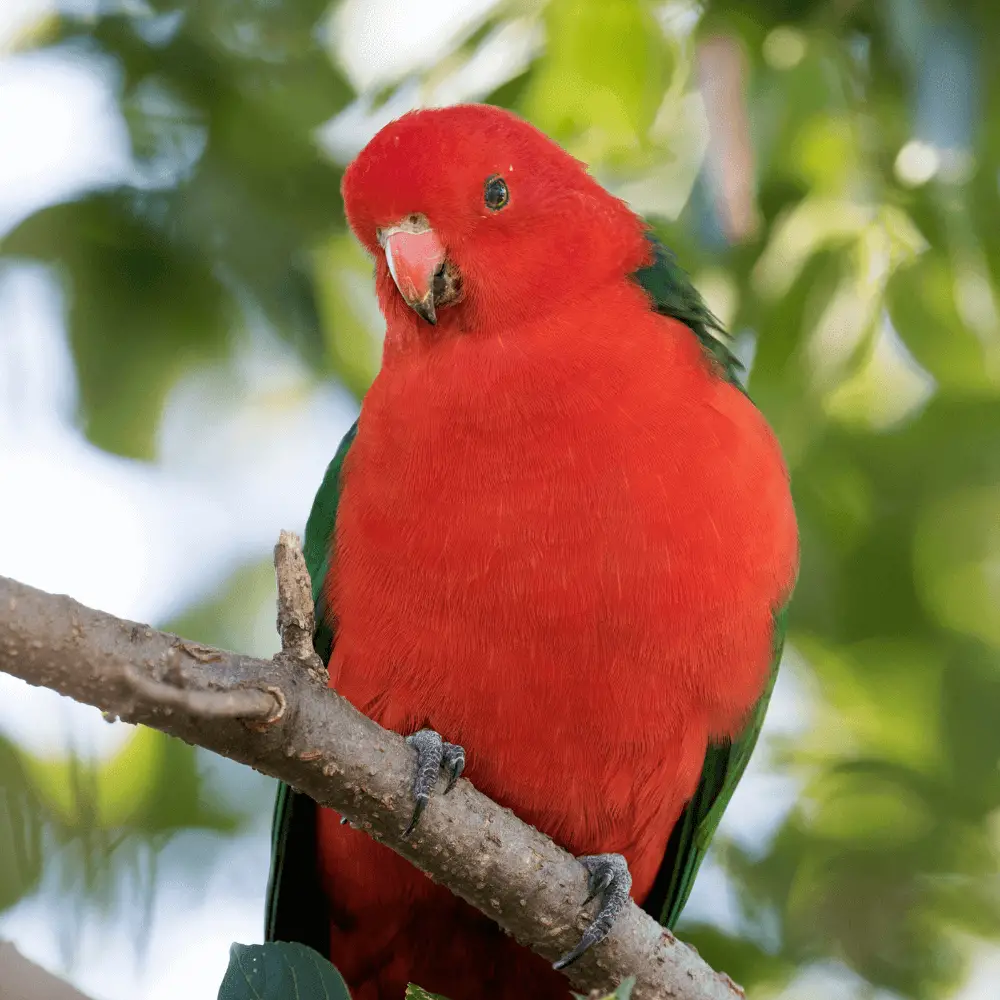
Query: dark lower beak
{"type": "Point", "coordinates": [425, 307]}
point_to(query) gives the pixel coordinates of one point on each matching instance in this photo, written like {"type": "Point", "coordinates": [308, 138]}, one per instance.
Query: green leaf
{"type": "Point", "coordinates": [624, 991]}
{"type": "Point", "coordinates": [414, 992]}
{"type": "Point", "coordinates": [606, 70]}
{"type": "Point", "coordinates": [280, 971]}
{"type": "Point", "coordinates": [924, 302]}
{"type": "Point", "coordinates": [141, 311]}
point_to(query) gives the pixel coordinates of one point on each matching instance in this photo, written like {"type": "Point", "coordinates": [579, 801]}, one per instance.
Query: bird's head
{"type": "Point", "coordinates": [477, 220]}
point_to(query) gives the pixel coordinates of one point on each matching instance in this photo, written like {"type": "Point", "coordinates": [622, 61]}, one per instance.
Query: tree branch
{"type": "Point", "coordinates": [23, 980]}
{"type": "Point", "coordinates": [279, 717]}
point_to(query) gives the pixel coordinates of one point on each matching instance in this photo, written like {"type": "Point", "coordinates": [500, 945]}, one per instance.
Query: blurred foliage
{"type": "Point", "coordinates": [20, 829]}
{"type": "Point", "coordinates": [230, 194]}
{"type": "Point", "coordinates": [226, 619]}
{"type": "Point", "coordinates": [89, 829]}
{"type": "Point", "coordinates": [853, 247]}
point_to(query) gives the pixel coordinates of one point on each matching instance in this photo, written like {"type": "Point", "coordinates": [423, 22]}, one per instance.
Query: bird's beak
{"type": "Point", "coordinates": [414, 255]}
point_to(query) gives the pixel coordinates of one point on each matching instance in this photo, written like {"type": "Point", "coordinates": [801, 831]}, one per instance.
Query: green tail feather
{"type": "Point", "coordinates": [724, 765]}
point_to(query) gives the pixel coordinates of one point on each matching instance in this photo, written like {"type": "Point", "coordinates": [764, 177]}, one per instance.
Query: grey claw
{"type": "Point", "coordinates": [453, 761]}
{"type": "Point", "coordinates": [418, 811]}
{"type": "Point", "coordinates": [433, 754]}
{"type": "Point", "coordinates": [612, 881]}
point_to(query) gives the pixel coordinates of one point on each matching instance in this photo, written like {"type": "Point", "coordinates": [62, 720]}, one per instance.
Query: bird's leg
{"type": "Point", "coordinates": [433, 753]}
{"type": "Point", "coordinates": [611, 880]}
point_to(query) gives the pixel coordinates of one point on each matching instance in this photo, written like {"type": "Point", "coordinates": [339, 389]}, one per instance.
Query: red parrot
{"type": "Point", "coordinates": [559, 535]}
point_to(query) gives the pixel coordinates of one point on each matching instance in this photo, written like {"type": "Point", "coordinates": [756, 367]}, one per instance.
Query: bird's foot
{"type": "Point", "coordinates": [611, 880]}
{"type": "Point", "coordinates": [433, 754]}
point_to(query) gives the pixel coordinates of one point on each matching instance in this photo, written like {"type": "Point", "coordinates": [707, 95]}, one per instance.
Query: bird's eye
{"type": "Point", "coordinates": [495, 193]}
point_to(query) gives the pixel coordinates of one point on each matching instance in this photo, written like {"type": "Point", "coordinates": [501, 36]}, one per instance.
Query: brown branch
{"type": "Point", "coordinates": [297, 730]}
{"type": "Point", "coordinates": [21, 979]}
{"type": "Point", "coordinates": [239, 703]}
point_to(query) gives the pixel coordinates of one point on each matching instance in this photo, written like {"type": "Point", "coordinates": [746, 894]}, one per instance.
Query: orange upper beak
{"type": "Point", "coordinates": [414, 255]}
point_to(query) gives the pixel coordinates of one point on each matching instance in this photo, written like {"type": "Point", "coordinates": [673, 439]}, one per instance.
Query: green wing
{"type": "Point", "coordinates": [296, 907]}
{"type": "Point", "coordinates": [319, 535]}
{"type": "Point", "coordinates": [672, 294]}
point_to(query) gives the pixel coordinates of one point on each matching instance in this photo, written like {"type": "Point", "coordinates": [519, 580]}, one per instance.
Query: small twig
{"type": "Point", "coordinates": [236, 703]}
{"type": "Point", "coordinates": [296, 622]}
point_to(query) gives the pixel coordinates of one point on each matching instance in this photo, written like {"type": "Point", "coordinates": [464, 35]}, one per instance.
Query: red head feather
{"type": "Point", "coordinates": [559, 234]}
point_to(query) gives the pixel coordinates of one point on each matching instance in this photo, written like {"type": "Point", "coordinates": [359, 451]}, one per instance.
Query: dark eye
{"type": "Point", "coordinates": [495, 193]}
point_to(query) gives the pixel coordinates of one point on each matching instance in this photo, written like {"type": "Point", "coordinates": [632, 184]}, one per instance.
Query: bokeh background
{"type": "Point", "coordinates": [186, 328]}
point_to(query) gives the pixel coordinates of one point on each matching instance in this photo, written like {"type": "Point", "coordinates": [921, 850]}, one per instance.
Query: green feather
{"type": "Point", "coordinates": [672, 294]}
{"type": "Point", "coordinates": [319, 539]}
{"type": "Point", "coordinates": [296, 908]}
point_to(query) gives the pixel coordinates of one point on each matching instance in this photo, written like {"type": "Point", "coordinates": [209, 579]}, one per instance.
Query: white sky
{"type": "Point", "coordinates": [376, 40]}
{"type": "Point", "coordinates": [223, 495]}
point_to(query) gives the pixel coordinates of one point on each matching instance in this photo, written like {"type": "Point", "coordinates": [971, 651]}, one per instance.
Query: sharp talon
{"type": "Point", "coordinates": [610, 879]}
{"type": "Point", "coordinates": [453, 758]}
{"type": "Point", "coordinates": [418, 811]}
{"type": "Point", "coordinates": [571, 957]}
{"type": "Point", "coordinates": [433, 755]}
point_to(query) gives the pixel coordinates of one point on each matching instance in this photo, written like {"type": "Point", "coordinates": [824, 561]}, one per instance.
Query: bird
{"type": "Point", "coordinates": [555, 551]}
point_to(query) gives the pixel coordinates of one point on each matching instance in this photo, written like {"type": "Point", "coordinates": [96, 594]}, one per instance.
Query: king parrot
{"type": "Point", "coordinates": [559, 535]}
